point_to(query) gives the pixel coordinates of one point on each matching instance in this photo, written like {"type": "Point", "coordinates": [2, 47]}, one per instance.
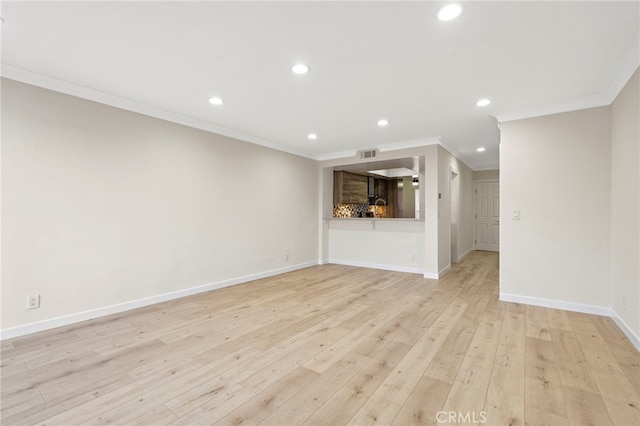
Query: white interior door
{"type": "Point", "coordinates": [488, 216]}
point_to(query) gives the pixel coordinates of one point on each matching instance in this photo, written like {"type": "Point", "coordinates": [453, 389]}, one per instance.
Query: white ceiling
{"type": "Point", "coordinates": [369, 60]}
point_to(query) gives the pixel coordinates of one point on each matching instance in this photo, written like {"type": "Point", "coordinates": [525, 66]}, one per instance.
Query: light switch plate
{"type": "Point", "coordinates": [516, 215]}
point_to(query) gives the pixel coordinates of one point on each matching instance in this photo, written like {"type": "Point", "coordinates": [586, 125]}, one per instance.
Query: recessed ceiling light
{"type": "Point", "coordinates": [449, 12]}
{"type": "Point", "coordinates": [481, 149]}
{"type": "Point", "coordinates": [300, 69]}
{"type": "Point", "coordinates": [312, 136]}
{"type": "Point", "coordinates": [483, 102]}
{"type": "Point", "coordinates": [216, 101]}
{"type": "Point", "coordinates": [383, 122]}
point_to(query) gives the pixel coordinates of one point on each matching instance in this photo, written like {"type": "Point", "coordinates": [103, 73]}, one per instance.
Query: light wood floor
{"type": "Point", "coordinates": [330, 345]}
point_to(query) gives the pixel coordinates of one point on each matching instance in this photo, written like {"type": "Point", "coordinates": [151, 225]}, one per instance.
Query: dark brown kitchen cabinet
{"type": "Point", "coordinates": [380, 188]}
{"type": "Point", "coordinates": [350, 188]}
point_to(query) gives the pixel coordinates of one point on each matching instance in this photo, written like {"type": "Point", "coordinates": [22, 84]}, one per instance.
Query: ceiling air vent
{"type": "Point", "coordinates": [368, 154]}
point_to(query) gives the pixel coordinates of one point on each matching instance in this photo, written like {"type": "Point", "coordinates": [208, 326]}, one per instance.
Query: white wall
{"type": "Point", "coordinates": [437, 224]}
{"type": "Point", "coordinates": [392, 244]}
{"type": "Point", "coordinates": [102, 206]}
{"type": "Point", "coordinates": [625, 204]}
{"type": "Point", "coordinates": [446, 163]}
{"type": "Point", "coordinates": [430, 184]}
{"type": "Point", "coordinates": [556, 170]}
{"type": "Point", "coordinates": [486, 175]}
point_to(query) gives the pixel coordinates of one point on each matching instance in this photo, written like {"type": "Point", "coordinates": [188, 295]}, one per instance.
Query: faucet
{"type": "Point", "coordinates": [383, 202]}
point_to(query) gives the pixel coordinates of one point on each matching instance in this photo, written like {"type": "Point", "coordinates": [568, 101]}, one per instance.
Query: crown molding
{"type": "Point", "coordinates": [584, 103]}
{"type": "Point", "coordinates": [336, 155]}
{"type": "Point", "coordinates": [448, 146]}
{"type": "Point", "coordinates": [414, 143]}
{"type": "Point", "coordinates": [620, 77]}
{"type": "Point", "coordinates": [486, 169]}
{"type": "Point", "coordinates": [18, 74]}
{"type": "Point", "coordinates": [24, 76]}
{"type": "Point", "coordinates": [625, 70]}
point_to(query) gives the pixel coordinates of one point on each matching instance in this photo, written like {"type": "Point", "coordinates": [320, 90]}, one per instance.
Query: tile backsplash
{"type": "Point", "coordinates": [350, 210]}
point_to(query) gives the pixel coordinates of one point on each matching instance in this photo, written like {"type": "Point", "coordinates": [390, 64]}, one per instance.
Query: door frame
{"type": "Point", "coordinates": [457, 205]}
{"type": "Point", "coordinates": [475, 205]}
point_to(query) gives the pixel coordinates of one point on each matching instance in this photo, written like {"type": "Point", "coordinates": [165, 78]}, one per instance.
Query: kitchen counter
{"type": "Point", "coordinates": [406, 219]}
{"type": "Point", "coordinates": [375, 224]}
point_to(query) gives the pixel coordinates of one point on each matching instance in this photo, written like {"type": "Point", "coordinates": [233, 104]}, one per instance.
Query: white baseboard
{"type": "Point", "coordinates": [126, 306]}
{"type": "Point", "coordinates": [465, 254]}
{"type": "Point", "coordinates": [395, 268]}
{"type": "Point", "coordinates": [434, 276]}
{"type": "Point", "coordinates": [557, 304]}
{"type": "Point", "coordinates": [635, 340]}
{"type": "Point", "coordinates": [576, 307]}
{"type": "Point", "coordinates": [444, 271]}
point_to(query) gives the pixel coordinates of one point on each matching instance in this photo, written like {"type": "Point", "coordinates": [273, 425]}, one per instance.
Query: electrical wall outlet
{"type": "Point", "coordinates": [286, 257]}
{"type": "Point", "coordinates": [33, 302]}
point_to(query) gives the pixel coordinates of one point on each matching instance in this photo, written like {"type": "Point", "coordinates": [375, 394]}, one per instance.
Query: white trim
{"type": "Point", "coordinates": [337, 155]}
{"type": "Point", "coordinates": [625, 70]}
{"type": "Point", "coordinates": [14, 73]}
{"type": "Point", "coordinates": [434, 276]}
{"type": "Point", "coordinates": [415, 143]}
{"type": "Point", "coordinates": [448, 146]}
{"type": "Point", "coordinates": [617, 81]}
{"type": "Point", "coordinates": [635, 340]}
{"type": "Point", "coordinates": [18, 74]}
{"type": "Point", "coordinates": [556, 304]}
{"type": "Point", "coordinates": [444, 271]}
{"type": "Point", "coordinates": [584, 103]}
{"type": "Point", "coordinates": [126, 306]}
{"type": "Point", "coordinates": [465, 254]}
{"type": "Point", "coordinates": [395, 268]}
{"type": "Point", "coordinates": [576, 307]}
{"type": "Point", "coordinates": [35, 79]}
